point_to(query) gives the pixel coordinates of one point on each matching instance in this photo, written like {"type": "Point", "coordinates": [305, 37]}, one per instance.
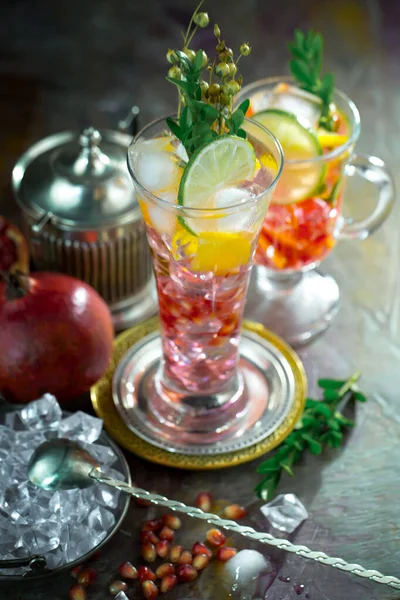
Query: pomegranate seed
{"type": "Point", "coordinates": [75, 571]}
{"type": "Point", "coordinates": [153, 525]}
{"type": "Point", "coordinates": [77, 592]}
{"type": "Point", "coordinates": [204, 501]}
{"type": "Point", "coordinates": [215, 537]}
{"type": "Point", "coordinates": [166, 534]}
{"type": "Point", "coordinates": [142, 502]}
{"type": "Point", "coordinates": [235, 512]}
{"type": "Point", "coordinates": [200, 562]}
{"type": "Point", "coordinates": [174, 553]}
{"type": "Point", "coordinates": [162, 548]}
{"type": "Point", "coordinates": [168, 583]}
{"type": "Point", "coordinates": [94, 556]}
{"type": "Point", "coordinates": [87, 576]}
{"type": "Point", "coordinates": [146, 574]}
{"type": "Point", "coordinates": [185, 558]}
{"type": "Point", "coordinates": [165, 569]}
{"type": "Point", "coordinates": [200, 548]}
{"type": "Point", "coordinates": [172, 521]}
{"type": "Point", "coordinates": [149, 552]}
{"type": "Point", "coordinates": [148, 536]}
{"type": "Point", "coordinates": [150, 590]}
{"type": "Point", "coordinates": [118, 586]}
{"type": "Point", "coordinates": [186, 573]}
{"type": "Point", "coordinates": [226, 553]}
{"type": "Point", "coordinates": [128, 571]}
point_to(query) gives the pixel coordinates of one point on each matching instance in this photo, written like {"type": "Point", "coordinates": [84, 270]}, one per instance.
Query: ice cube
{"type": "Point", "coordinates": [104, 454]}
{"type": "Point", "coordinates": [155, 164]}
{"type": "Point", "coordinates": [44, 413]}
{"type": "Point", "coordinates": [242, 572]}
{"type": "Point", "coordinates": [81, 427]}
{"type": "Point", "coordinates": [307, 107]}
{"type": "Point", "coordinates": [285, 512]}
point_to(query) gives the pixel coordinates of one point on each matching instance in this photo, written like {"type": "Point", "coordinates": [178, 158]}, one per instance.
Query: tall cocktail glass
{"type": "Point", "coordinates": [202, 260]}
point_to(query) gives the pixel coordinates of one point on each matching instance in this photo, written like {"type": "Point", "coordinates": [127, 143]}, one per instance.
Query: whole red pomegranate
{"type": "Point", "coordinates": [14, 254]}
{"type": "Point", "coordinates": [56, 336]}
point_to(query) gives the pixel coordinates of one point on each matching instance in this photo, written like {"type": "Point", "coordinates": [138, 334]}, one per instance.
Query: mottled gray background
{"type": "Point", "coordinates": [72, 64]}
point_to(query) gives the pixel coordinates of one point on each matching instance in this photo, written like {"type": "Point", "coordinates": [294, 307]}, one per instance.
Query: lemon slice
{"type": "Point", "coordinates": [221, 252]}
{"type": "Point", "coordinates": [225, 162]}
{"type": "Point", "coordinates": [299, 180]}
{"type": "Point", "coordinates": [329, 139]}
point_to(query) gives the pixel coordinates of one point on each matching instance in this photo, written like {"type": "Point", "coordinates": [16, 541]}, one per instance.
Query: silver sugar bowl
{"type": "Point", "coordinates": [82, 218]}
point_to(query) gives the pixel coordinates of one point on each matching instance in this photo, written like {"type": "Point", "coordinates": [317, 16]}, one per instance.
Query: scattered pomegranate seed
{"type": "Point", "coordinates": [149, 552]}
{"type": "Point", "coordinates": [162, 548]}
{"type": "Point", "coordinates": [118, 586]}
{"type": "Point", "coordinates": [226, 553]}
{"type": "Point", "coordinates": [204, 501]}
{"type": "Point", "coordinates": [153, 525]}
{"type": "Point", "coordinates": [172, 521]}
{"type": "Point", "coordinates": [215, 537]}
{"type": "Point", "coordinates": [166, 534]}
{"type": "Point", "coordinates": [146, 574]}
{"type": "Point", "coordinates": [185, 558]}
{"type": "Point", "coordinates": [77, 592]}
{"type": "Point", "coordinates": [87, 576]}
{"type": "Point", "coordinates": [200, 562]}
{"type": "Point", "coordinates": [128, 571]}
{"type": "Point", "coordinates": [75, 571]}
{"type": "Point", "coordinates": [235, 512]}
{"type": "Point", "coordinates": [142, 502]}
{"type": "Point", "coordinates": [150, 590]}
{"type": "Point", "coordinates": [174, 553]}
{"type": "Point", "coordinates": [165, 569]}
{"type": "Point", "coordinates": [200, 548]}
{"type": "Point", "coordinates": [186, 573]}
{"type": "Point", "coordinates": [95, 556]}
{"type": "Point", "coordinates": [168, 583]}
{"type": "Point", "coordinates": [148, 536]}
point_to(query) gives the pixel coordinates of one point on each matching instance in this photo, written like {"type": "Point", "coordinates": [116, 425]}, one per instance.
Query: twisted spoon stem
{"type": "Point", "coordinates": [249, 532]}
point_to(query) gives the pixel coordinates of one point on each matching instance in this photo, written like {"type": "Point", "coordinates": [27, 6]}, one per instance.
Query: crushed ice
{"type": "Point", "coordinates": [63, 525]}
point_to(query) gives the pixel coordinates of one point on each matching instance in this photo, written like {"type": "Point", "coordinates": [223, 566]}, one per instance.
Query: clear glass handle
{"type": "Point", "coordinates": [374, 170]}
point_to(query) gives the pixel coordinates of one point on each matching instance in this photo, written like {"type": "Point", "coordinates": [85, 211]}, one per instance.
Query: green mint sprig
{"type": "Point", "coordinates": [322, 424]}
{"type": "Point", "coordinates": [205, 107]}
{"type": "Point", "coordinates": [307, 50]}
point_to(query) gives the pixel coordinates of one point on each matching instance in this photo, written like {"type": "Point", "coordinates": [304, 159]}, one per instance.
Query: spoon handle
{"type": "Point", "coordinates": [249, 532]}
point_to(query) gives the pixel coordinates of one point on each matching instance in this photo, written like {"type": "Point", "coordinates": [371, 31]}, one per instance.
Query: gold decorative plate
{"type": "Point", "coordinates": [103, 403]}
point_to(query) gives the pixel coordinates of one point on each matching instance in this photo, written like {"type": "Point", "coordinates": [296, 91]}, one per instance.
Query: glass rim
{"type": "Point", "coordinates": [247, 89]}
{"type": "Point", "coordinates": [199, 210]}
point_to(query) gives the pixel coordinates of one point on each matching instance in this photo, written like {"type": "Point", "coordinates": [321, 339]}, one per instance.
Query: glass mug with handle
{"type": "Point", "coordinates": [305, 219]}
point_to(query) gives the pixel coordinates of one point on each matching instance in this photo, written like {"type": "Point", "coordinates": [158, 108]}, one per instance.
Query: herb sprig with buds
{"type": "Point", "coordinates": [206, 89]}
{"type": "Point", "coordinates": [307, 50]}
{"type": "Point", "coordinates": [322, 424]}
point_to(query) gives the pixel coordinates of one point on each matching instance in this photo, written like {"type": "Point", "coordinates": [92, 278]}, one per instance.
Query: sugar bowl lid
{"type": "Point", "coordinates": [78, 181]}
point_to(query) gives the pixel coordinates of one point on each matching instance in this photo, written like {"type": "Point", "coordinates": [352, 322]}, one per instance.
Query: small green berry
{"type": "Point", "coordinates": [214, 90]}
{"type": "Point", "coordinates": [226, 54]}
{"type": "Point", "coordinates": [172, 57]}
{"type": "Point", "coordinates": [175, 72]}
{"type": "Point", "coordinates": [204, 88]}
{"type": "Point", "coordinates": [222, 69]}
{"type": "Point", "coordinates": [190, 54]}
{"type": "Point", "coordinates": [224, 100]}
{"type": "Point", "coordinates": [217, 31]}
{"type": "Point", "coordinates": [205, 59]}
{"type": "Point", "coordinates": [245, 49]}
{"type": "Point", "coordinates": [232, 69]}
{"type": "Point", "coordinates": [221, 46]}
{"type": "Point", "coordinates": [231, 88]}
{"type": "Point", "coordinates": [202, 19]}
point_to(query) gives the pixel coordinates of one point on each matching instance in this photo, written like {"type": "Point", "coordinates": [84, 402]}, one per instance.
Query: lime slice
{"type": "Point", "coordinates": [225, 162]}
{"type": "Point", "coordinates": [299, 180]}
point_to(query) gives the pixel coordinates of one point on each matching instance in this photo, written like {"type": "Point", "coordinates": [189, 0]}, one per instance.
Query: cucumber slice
{"type": "Point", "coordinates": [302, 176]}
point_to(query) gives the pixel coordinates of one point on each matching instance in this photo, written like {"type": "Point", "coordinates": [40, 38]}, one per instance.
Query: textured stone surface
{"type": "Point", "coordinates": [70, 64]}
